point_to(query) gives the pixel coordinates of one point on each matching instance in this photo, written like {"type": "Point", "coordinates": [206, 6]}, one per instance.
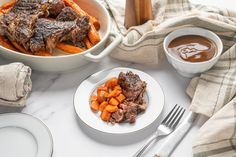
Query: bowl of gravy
{"type": "Point", "coordinates": [192, 50]}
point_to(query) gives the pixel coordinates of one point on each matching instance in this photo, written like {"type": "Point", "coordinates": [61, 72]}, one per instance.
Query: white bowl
{"type": "Point", "coordinates": [67, 62]}
{"type": "Point", "coordinates": [190, 69]}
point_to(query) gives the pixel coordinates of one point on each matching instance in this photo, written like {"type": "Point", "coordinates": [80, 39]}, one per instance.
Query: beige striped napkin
{"type": "Point", "coordinates": [214, 92]}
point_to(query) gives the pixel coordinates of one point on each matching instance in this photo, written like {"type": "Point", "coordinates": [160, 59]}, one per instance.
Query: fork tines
{"type": "Point", "coordinates": [173, 117]}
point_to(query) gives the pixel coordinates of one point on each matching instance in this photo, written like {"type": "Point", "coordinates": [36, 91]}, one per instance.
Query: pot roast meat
{"type": "Point", "coordinates": [38, 7]}
{"type": "Point", "coordinates": [132, 86]}
{"type": "Point", "coordinates": [84, 27]}
{"type": "Point", "coordinates": [19, 24]}
{"type": "Point", "coordinates": [29, 7]}
{"type": "Point", "coordinates": [55, 7]}
{"type": "Point", "coordinates": [50, 32]}
{"type": "Point", "coordinates": [117, 116]}
{"type": "Point", "coordinates": [18, 27]}
{"type": "Point", "coordinates": [67, 14]}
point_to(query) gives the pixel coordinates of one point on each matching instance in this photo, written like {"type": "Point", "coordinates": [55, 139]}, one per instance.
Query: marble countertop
{"type": "Point", "coordinates": [52, 102]}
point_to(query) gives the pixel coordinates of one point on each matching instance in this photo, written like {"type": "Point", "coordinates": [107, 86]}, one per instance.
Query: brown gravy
{"type": "Point", "coordinates": [192, 48]}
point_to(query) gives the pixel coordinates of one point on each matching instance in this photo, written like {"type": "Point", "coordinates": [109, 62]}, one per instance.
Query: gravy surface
{"type": "Point", "coordinates": [192, 48]}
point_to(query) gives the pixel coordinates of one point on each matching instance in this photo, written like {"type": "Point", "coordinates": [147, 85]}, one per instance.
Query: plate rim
{"type": "Point", "coordinates": [110, 70]}
{"type": "Point", "coordinates": [39, 122]}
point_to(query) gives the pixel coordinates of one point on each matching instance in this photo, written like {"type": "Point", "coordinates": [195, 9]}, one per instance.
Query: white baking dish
{"type": "Point", "coordinates": [67, 62]}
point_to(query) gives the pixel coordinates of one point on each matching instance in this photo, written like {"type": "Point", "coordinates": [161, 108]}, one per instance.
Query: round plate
{"type": "Point", "coordinates": [154, 95]}
{"type": "Point", "coordinates": [24, 136]}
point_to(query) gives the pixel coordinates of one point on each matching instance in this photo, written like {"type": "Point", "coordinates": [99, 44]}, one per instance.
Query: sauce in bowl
{"type": "Point", "coordinates": [192, 48]}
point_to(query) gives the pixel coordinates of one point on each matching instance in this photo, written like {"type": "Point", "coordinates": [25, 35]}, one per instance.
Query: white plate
{"type": "Point", "coordinates": [22, 135]}
{"type": "Point", "coordinates": [154, 94]}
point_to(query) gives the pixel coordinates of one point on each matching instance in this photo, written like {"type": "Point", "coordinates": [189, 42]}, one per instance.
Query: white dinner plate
{"type": "Point", "coordinates": [22, 135]}
{"type": "Point", "coordinates": [154, 96]}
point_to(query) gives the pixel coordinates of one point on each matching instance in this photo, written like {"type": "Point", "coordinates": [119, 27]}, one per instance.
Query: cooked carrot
{"type": "Point", "coordinates": [113, 102]}
{"type": "Point", "coordinates": [117, 87]}
{"type": "Point", "coordinates": [93, 98]}
{"type": "Point", "coordinates": [102, 96]}
{"type": "Point", "coordinates": [94, 105]}
{"type": "Point", "coordinates": [4, 11]}
{"type": "Point", "coordinates": [111, 108]}
{"type": "Point", "coordinates": [6, 43]}
{"type": "Point", "coordinates": [1, 12]}
{"type": "Point", "coordinates": [8, 5]}
{"type": "Point", "coordinates": [112, 83]}
{"type": "Point", "coordinates": [105, 115]}
{"type": "Point", "coordinates": [43, 53]}
{"type": "Point", "coordinates": [114, 93]}
{"type": "Point", "coordinates": [93, 34]}
{"type": "Point", "coordinates": [121, 98]}
{"type": "Point", "coordinates": [69, 48]}
{"type": "Point", "coordinates": [95, 22]}
{"type": "Point", "coordinates": [103, 105]}
{"type": "Point", "coordinates": [102, 88]}
{"type": "Point", "coordinates": [87, 43]}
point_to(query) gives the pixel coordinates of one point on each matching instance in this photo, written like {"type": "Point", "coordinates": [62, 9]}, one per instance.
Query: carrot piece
{"type": "Point", "coordinates": [113, 102]}
{"type": "Point", "coordinates": [95, 22]}
{"type": "Point", "coordinates": [43, 53]}
{"type": "Point", "coordinates": [114, 93]}
{"type": "Point", "coordinates": [111, 108]}
{"type": "Point", "coordinates": [4, 11]}
{"type": "Point", "coordinates": [69, 48]}
{"type": "Point", "coordinates": [102, 96]}
{"type": "Point", "coordinates": [103, 105]}
{"type": "Point", "coordinates": [112, 82]}
{"type": "Point", "coordinates": [117, 87]}
{"type": "Point", "coordinates": [105, 115]}
{"type": "Point", "coordinates": [93, 98]}
{"type": "Point", "coordinates": [8, 4]}
{"type": "Point", "coordinates": [6, 43]}
{"type": "Point", "coordinates": [93, 34]}
{"type": "Point", "coordinates": [121, 98]}
{"type": "Point", "coordinates": [87, 43]}
{"type": "Point", "coordinates": [102, 88]}
{"type": "Point", "coordinates": [94, 106]}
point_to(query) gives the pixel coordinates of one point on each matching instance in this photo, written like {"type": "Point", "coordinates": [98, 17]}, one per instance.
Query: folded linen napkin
{"type": "Point", "coordinates": [214, 95]}
{"type": "Point", "coordinates": [15, 84]}
{"type": "Point", "coordinates": [214, 92]}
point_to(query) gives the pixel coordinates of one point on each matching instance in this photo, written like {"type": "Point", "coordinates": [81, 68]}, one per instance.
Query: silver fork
{"type": "Point", "coordinates": [167, 126]}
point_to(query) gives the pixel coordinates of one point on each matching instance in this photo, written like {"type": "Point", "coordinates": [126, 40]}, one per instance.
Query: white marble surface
{"type": "Point", "coordinates": [52, 102]}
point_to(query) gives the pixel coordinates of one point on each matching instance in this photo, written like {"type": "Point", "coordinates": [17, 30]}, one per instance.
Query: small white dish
{"type": "Point", "coordinates": [22, 135]}
{"type": "Point", "coordinates": [190, 69]}
{"type": "Point", "coordinates": [154, 94]}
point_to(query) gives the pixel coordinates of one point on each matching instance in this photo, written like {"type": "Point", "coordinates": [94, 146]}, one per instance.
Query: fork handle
{"type": "Point", "coordinates": [176, 136]}
{"type": "Point", "coordinates": [147, 144]}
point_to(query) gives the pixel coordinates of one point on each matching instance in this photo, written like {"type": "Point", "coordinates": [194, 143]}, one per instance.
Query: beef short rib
{"type": "Point", "coordinates": [50, 32]}
{"type": "Point", "coordinates": [132, 86]}
{"type": "Point", "coordinates": [67, 14]}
